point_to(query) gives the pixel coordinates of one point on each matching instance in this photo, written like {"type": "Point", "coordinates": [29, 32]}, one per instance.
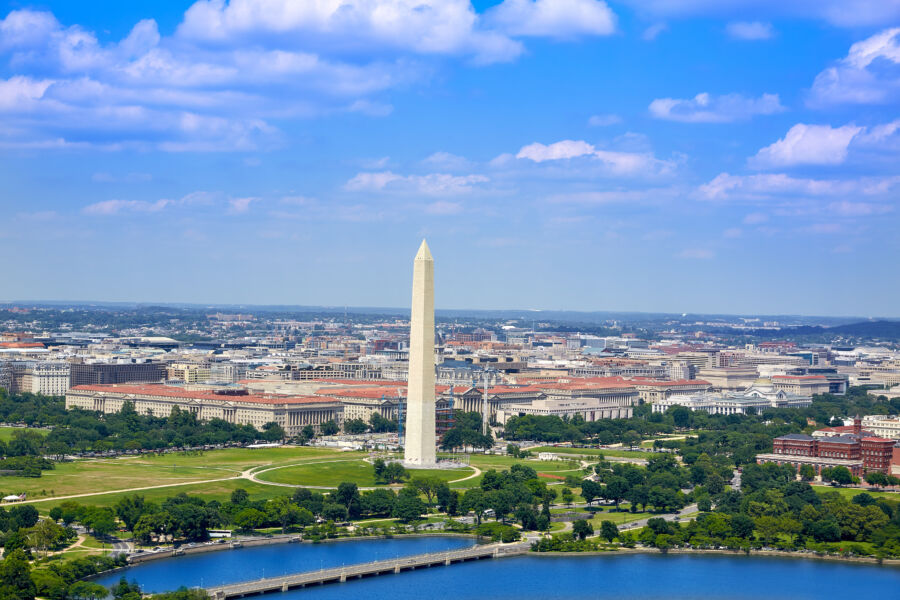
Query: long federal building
{"type": "Point", "coordinates": [848, 446]}
{"type": "Point", "coordinates": [233, 405]}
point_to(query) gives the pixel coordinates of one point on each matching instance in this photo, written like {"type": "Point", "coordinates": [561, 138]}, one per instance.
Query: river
{"type": "Point", "coordinates": [632, 576]}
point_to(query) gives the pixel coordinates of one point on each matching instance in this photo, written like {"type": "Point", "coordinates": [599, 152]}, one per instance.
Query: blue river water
{"type": "Point", "coordinates": [243, 564]}
{"type": "Point", "coordinates": [632, 577]}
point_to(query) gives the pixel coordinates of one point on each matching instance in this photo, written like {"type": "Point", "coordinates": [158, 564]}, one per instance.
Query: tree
{"type": "Point", "coordinates": [409, 507]}
{"type": "Point", "coordinates": [15, 577]}
{"type": "Point", "coordinates": [347, 493]}
{"type": "Point", "coordinates": [355, 426]}
{"type": "Point", "coordinates": [129, 509]}
{"type": "Point", "coordinates": [273, 432]}
{"type": "Point", "coordinates": [285, 512]}
{"type": "Point", "coordinates": [768, 528]}
{"type": "Point", "coordinates": [567, 496]}
{"type": "Point", "coordinates": [330, 428]}
{"type": "Point", "coordinates": [638, 496]}
{"type": "Point", "coordinates": [582, 529]}
{"type": "Point", "coordinates": [240, 497]}
{"type": "Point", "coordinates": [616, 490]}
{"type": "Point", "coordinates": [513, 450]}
{"type": "Point", "coordinates": [87, 590]}
{"type": "Point", "coordinates": [475, 500]}
{"type": "Point", "coordinates": [876, 478]}
{"type": "Point", "coordinates": [841, 475]}
{"type": "Point", "coordinates": [681, 416]}
{"type": "Point", "coordinates": [807, 472]}
{"type": "Point", "coordinates": [46, 534]}
{"type": "Point", "coordinates": [249, 519]}
{"type": "Point", "coordinates": [789, 526]}
{"type": "Point", "coordinates": [426, 485]}
{"type": "Point", "coordinates": [715, 484]}
{"type": "Point", "coordinates": [609, 531]}
{"type": "Point", "coordinates": [334, 511]}
{"type": "Point", "coordinates": [590, 490]}
{"type": "Point", "coordinates": [392, 472]}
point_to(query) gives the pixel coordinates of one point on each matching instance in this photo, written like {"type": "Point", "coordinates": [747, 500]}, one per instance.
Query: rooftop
{"type": "Point", "coordinates": [169, 391]}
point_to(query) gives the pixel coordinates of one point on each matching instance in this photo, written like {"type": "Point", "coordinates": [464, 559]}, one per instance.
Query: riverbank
{"type": "Point", "coordinates": [891, 562]}
{"type": "Point", "coordinates": [250, 542]}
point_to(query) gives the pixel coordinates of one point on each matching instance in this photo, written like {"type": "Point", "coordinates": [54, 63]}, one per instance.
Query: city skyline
{"type": "Point", "coordinates": [661, 156]}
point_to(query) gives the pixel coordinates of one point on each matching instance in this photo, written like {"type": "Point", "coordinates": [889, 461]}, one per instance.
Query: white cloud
{"type": "Point", "coordinates": [553, 18]}
{"type": "Point", "coordinates": [419, 26]}
{"type": "Point", "coordinates": [704, 108]}
{"type": "Point", "coordinates": [840, 13]}
{"type": "Point", "coordinates": [732, 233]}
{"type": "Point", "coordinates": [867, 75]}
{"type": "Point", "coordinates": [616, 196]}
{"type": "Point", "coordinates": [430, 184]}
{"type": "Point", "coordinates": [846, 208]}
{"type": "Point", "coordinates": [604, 120]}
{"type": "Point", "coordinates": [618, 163]}
{"type": "Point", "coordinates": [766, 187]}
{"type": "Point", "coordinates": [114, 207]}
{"type": "Point", "coordinates": [232, 68]}
{"type": "Point", "coordinates": [237, 206]}
{"type": "Point", "coordinates": [807, 145]}
{"type": "Point", "coordinates": [559, 150]}
{"type": "Point", "coordinates": [750, 30]}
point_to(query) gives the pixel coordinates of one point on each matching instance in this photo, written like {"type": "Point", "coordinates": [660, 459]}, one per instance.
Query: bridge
{"type": "Point", "coordinates": [346, 573]}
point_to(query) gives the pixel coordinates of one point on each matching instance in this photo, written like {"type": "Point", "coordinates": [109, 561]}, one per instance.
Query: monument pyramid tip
{"type": "Point", "coordinates": [424, 253]}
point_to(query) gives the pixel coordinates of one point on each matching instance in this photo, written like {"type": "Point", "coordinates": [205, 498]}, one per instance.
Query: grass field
{"type": "Point", "coordinates": [99, 475]}
{"type": "Point", "coordinates": [593, 452]}
{"type": "Point", "coordinates": [219, 490]}
{"type": "Point", "coordinates": [107, 480]}
{"type": "Point", "coordinates": [331, 472]}
{"type": "Point", "coordinates": [850, 492]}
{"type": "Point", "coordinates": [6, 433]}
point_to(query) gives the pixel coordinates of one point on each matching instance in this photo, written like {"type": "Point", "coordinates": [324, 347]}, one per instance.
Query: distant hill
{"type": "Point", "coordinates": [872, 330]}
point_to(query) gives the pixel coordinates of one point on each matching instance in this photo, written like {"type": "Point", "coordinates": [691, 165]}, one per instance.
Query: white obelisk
{"type": "Point", "coordinates": [420, 436]}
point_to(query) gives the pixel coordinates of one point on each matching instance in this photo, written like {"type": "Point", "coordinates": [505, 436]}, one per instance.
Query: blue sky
{"type": "Point", "coordinates": [658, 155]}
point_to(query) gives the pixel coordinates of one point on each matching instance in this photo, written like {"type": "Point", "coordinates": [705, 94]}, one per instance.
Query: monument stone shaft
{"type": "Point", "coordinates": [420, 407]}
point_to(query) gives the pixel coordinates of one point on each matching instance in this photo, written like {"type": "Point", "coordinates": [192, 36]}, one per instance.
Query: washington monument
{"type": "Point", "coordinates": [420, 441]}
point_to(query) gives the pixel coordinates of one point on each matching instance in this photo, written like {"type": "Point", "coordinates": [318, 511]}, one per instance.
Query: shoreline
{"type": "Point", "coordinates": [888, 562]}
{"type": "Point", "coordinates": [286, 539]}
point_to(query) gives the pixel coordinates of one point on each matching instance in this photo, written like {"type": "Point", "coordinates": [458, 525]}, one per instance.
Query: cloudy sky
{"type": "Point", "coordinates": [736, 156]}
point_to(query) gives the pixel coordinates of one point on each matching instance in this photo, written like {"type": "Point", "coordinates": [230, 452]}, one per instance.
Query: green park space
{"type": "Point", "coordinates": [590, 452]}
{"type": "Point", "coordinates": [217, 490]}
{"type": "Point", "coordinates": [848, 493]}
{"type": "Point", "coordinates": [89, 476]}
{"type": "Point", "coordinates": [6, 433]}
{"type": "Point", "coordinates": [332, 471]}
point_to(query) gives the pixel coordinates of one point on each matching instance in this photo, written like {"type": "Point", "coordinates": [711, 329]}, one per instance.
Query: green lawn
{"type": "Point", "coordinates": [850, 492]}
{"type": "Point", "coordinates": [619, 518]}
{"type": "Point", "coordinates": [332, 471]}
{"type": "Point", "coordinates": [100, 475]}
{"type": "Point", "coordinates": [593, 452]}
{"type": "Point", "coordinates": [219, 490]}
{"type": "Point", "coordinates": [6, 433]}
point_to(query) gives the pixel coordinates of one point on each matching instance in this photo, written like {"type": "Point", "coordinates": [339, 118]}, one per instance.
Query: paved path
{"type": "Point", "coordinates": [687, 510]}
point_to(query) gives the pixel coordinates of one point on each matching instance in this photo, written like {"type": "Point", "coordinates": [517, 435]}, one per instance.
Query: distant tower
{"type": "Point", "coordinates": [419, 449]}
